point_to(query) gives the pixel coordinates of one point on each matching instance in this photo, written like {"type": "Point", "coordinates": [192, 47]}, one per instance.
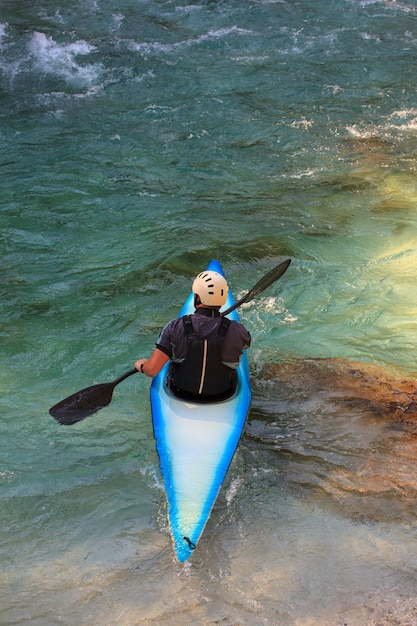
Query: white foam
{"type": "Point", "coordinates": [370, 37]}
{"type": "Point", "coordinates": [302, 123]}
{"type": "Point", "coordinates": [233, 490]}
{"type": "Point", "coordinates": [404, 120]}
{"type": "Point", "coordinates": [147, 48]}
{"type": "Point", "coordinates": [390, 4]}
{"type": "Point", "coordinates": [9, 68]}
{"type": "Point", "coordinates": [61, 59]}
{"type": "Point", "coordinates": [3, 29]}
{"type": "Point", "coordinates": [359, 133]}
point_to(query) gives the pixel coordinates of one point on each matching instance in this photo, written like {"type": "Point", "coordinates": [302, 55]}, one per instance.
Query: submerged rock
{"type": "Point", "coordinates": [339, 434]}
{"type": "Point", "coordinates": [384, 392]}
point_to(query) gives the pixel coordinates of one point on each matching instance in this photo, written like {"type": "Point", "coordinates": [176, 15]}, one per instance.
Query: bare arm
{"type": "Point", "coordinates": [152, 366]}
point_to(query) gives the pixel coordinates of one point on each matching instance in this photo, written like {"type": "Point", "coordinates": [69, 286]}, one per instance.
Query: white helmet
{"type": "Point", "coordinates": [211, 287]}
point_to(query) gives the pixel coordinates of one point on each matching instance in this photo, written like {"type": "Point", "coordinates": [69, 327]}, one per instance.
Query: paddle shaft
{"type": "Point", "coordinates": [124, 376]}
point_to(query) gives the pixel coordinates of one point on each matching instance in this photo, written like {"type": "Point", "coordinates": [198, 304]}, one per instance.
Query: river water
{"type": "Point", "coordinates": [139, 140]}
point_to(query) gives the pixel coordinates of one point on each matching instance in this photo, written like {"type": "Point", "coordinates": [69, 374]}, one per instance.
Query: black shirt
{"type": "Point", "coordinates": [173, 340]}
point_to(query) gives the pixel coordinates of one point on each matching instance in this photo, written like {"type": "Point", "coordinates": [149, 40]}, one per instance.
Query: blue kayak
{"type": "Point", "coordinates": [196, 444]}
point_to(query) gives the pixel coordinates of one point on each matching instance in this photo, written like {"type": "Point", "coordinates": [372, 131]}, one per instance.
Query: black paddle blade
{"type": "Point", "coordinates": [82, 404]}
{"type": "Point", "coordinates": [267, 280]}
{"type": "Point", "coordinates": [86, 402]}
{"type": "Point", "coordinates": [261, 285]}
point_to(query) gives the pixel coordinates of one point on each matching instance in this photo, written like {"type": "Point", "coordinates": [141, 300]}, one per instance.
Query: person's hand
{"type": "Point", "coordinates": [139, 365]}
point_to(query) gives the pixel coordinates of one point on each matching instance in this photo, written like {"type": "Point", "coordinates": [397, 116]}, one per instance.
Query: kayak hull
{"type": "Point", "coordinates": [196, 443]}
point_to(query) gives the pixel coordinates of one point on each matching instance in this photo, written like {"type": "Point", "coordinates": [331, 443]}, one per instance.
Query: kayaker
{"type": "Point", "coordinates": [204, 348]}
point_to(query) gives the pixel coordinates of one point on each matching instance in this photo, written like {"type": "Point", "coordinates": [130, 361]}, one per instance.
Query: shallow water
{"type": "Point", "coordinates": [138, 141]}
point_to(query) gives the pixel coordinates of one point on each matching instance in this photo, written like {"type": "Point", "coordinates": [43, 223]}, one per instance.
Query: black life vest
{"type": "Point", "coordinates": [202, 375]}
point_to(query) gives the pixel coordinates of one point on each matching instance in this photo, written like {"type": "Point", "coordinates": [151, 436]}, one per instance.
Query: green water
{"type": "Point", "coordinates": [138, 141]}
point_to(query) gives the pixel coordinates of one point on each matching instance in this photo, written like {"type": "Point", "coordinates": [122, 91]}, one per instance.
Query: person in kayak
{"type": "Point", "coordinates": [204, 348]}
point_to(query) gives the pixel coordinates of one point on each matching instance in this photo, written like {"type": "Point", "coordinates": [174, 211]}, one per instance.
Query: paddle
{"type": "Point", "coordinates": [88, 401]}
{"type": "Point", "coordinates": [84, 403]}
{"type": "Point", "coordinates": [261, 285]}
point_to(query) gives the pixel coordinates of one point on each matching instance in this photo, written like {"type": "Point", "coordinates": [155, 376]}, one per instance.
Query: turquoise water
{"type": "Point", "coordinates": [139, 140]}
